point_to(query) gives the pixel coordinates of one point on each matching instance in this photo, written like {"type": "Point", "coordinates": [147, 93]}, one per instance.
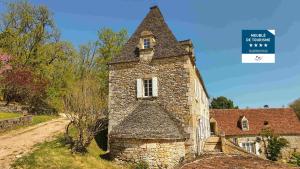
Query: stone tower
{"type": "Point", "coordinates": [158, 104]}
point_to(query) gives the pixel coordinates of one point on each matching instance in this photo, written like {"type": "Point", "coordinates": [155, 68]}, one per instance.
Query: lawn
{"type": "Point", "coordinates": [56, 155]}
{"type": "Point", "coordinates": [4, 115]}
{"type": "Point", "coordinates": [42, 118]}
{"type": "Point", "coordinates": [36, 119]}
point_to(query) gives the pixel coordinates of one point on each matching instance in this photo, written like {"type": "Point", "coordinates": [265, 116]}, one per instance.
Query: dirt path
{"type": "Point", "coordinates": [16, 143]}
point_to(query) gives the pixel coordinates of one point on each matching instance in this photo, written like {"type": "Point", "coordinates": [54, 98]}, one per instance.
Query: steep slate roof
{"type": "Point", "coordinates": [283, 121]}
{"type": "Point", "coordinates": [166, 43]}
{"type": "Point", "coordinates": [148, 121]}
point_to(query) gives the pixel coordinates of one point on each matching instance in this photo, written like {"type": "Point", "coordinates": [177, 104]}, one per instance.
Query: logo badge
{"type": "Point", "coordinates": [258, 46]}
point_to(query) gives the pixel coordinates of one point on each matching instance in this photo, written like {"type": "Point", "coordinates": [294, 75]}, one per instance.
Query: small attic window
{"type": "Point", "coordinates": [146, 43]}
{"type": "Point", "coordinates": [244, 124]}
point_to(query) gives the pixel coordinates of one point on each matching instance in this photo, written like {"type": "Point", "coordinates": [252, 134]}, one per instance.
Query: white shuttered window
{"type": "Point", "coordinates": [147, 87]}
{"type": "Point", "coordinates": [139, 88]}
{"type": "Point", "coordinates": [154, 87]}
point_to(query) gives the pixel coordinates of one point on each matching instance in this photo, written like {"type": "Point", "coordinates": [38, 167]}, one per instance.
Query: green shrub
{"type": "Point", "coordinates": [142, 165]}
{"type": "Point", "coordinates": [295, 159]}
{"type": "Point", "coordinates": [273, 144]}
{"type": "Point", "coordinates": [274, 147]}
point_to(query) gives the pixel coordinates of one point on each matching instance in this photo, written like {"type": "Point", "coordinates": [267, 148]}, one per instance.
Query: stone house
{"type": "Point", "coordinates": [243, 127]}
{"type": "Point", "coordinates": [158, 104]}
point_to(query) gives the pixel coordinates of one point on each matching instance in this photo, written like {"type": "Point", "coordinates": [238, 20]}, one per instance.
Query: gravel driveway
{"type": "Point", "coordinates": [16, 143]}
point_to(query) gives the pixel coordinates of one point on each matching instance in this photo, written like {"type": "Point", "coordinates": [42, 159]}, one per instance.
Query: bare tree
{"type": "Point", "coordinates": [86, 107]}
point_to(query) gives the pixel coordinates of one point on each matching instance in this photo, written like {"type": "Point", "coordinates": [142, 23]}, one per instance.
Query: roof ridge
{"type": "Point", "coordinates": [288, 108]}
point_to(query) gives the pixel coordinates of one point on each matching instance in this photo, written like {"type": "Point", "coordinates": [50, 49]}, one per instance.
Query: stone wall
{"type": "Point", "coordinates": [294, 145]}
{"type": "Point", "coordinates": [11, 108]}
{"type": "Point", "coordinates": [199, 110]}
{"type": "Point", "coordinates": [229, 147]}
{"type": "Point", "coordinates": [259, 147]}
{"type": "Point", "coordinates": [176, 77]}
{"type": "Point", "coordinates": [157, 153]}
{"type": "Point", "coordinates": [14, 122]}
{"type": "Point", "coordinates": [173, 79]}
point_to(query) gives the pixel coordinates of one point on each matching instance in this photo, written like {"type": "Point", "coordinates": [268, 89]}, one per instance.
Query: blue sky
{"type": "Point", "coordinates": [215, 29]}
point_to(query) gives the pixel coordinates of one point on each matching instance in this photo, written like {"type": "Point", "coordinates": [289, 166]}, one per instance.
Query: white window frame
{"type": "Point", "coordinates": [148, 87]}
{"type": "Point", "coordinates": [146, 43]}
{"type": "Point", "coordinates": [246, 122]}
{"type": "Point", "coordinates": [152, 88]}
{"type": "Point", "coordinates": [249, 146]}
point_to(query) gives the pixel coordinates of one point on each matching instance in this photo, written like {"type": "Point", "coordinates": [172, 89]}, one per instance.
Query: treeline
{"type": "Point", "coordinates": [39, 69]}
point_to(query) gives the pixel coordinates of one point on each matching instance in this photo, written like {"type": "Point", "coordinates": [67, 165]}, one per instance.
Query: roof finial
{"type": "Point", "coordinates": [153, 4]}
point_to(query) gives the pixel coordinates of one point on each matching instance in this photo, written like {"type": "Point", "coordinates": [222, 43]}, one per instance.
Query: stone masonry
{"type": "Point", "coordinates": [158, 153]}
{"type": "Point", "coordinates": [172, 124]}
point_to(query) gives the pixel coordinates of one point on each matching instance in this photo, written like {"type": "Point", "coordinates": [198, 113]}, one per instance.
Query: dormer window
{"type": "Point", "coordinates": [146, 43]}
{"type": "Point", "coordinates": [146, 46]}
{"type": "Point", "coordinates": [244, 124]}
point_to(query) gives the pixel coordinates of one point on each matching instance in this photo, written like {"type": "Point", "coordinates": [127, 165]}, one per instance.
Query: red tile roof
{"type": "Point", "coordinates": [283, 121]}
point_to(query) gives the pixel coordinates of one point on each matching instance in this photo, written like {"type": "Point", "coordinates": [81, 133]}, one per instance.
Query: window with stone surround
{"type": "Point", "coordinates": [146, 43]}
{"type": "Point", "coordinates": [245, 124]}
{"type": "Point", "coordinates": [148, 88]}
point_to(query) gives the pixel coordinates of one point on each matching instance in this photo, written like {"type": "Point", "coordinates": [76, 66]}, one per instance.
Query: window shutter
{"type": "Point", "coordinates": [154, 87]}
{"type": "Point", "coordinates": [139, 88]}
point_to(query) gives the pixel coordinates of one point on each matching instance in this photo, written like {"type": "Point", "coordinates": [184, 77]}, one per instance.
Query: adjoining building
{"type": "Point", "coordinates": [243, 127]}
{"type": "Point", "coordinates": [158, 104]}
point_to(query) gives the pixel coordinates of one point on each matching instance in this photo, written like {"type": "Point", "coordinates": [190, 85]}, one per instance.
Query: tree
{"type": "Point", "coordinates": [273, 144]}
{"type": "Point", "coordinates": [87, 112]}
{"type": "Point", "coordinates": [26, 30]}
{"type": "Point", "coordinates": [86, 102]}
{"type": "Point", "coordinates": [222, 102]}
{"type": "Point", "coordinates": [109, 45]}
{"type": "Point", "coordinates": [296, 106]}
{"type": "Point", "coordinates": [28, 33]}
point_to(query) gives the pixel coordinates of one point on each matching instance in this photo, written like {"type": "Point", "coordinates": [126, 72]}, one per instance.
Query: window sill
{"type": "Point", "coordinates": [147, 98]}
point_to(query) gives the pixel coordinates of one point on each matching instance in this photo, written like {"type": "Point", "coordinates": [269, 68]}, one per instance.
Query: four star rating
{"type": "Point", "coordinates": [258, 44]}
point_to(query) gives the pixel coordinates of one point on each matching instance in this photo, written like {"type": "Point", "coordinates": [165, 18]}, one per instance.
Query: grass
{"type": "Point", "coordinates": [41, 118]}
{"type": "Point", "coordinates": [56, 155]}
{"type": "Point", "coordinates": [4, 115]}
{"type": "Point", "coordinates": [36, 119]}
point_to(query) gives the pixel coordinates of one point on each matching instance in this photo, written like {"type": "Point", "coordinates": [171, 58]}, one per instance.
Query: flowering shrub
{"type": "Point", "coordinates": [4, 63]}
{"type": "Point", "coordinates": [22, 85]}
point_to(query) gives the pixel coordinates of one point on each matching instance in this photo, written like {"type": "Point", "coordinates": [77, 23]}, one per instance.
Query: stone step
{"type": "Point", "coordinates": [213, 144]}
{"type": "Point", "coordinates": [213, 139]}
{"type": "Point", "coordinates": [212, 147]}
